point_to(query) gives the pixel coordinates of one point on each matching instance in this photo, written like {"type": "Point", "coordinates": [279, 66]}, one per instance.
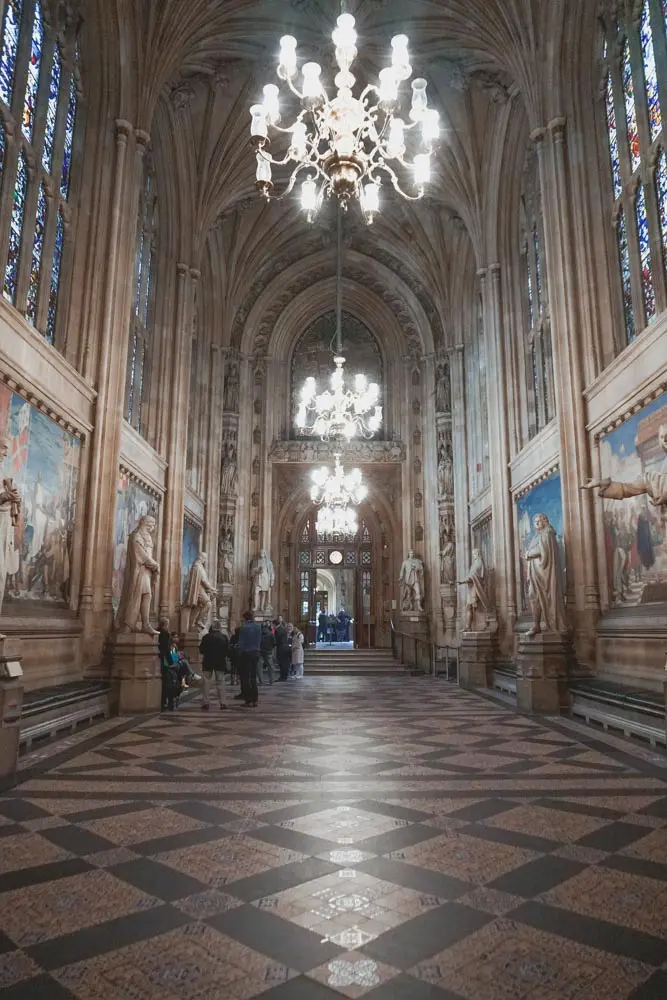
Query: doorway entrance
{"type": "Point", "coordinates": [335, 579]}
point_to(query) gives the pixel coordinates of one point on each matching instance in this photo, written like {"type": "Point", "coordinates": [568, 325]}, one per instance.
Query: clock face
{"type": "Point", "coordinates": [335, 557]}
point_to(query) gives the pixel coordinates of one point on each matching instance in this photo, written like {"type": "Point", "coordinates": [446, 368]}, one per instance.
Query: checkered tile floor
{"type": "Point", "coordinates": [386, 839]}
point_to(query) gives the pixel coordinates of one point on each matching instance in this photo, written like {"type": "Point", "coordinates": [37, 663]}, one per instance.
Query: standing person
{"type": "Point", "coordinates": [282, 648]}
{"type": "Point", "coordinates": [322, 626]}
{"type": "Point", "coordinates": [297, 652]}
{"type": "Point", "coordinates": [214, 648]}
{"type": "Point", "coordinates": [247, 651]}
{"type": "Point", "coordinates": [266, 651]}
{"type": "Point", "coordinates": [171, 683]}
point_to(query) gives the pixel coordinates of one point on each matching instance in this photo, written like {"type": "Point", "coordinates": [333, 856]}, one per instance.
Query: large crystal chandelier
{"type": "Point", "coordinates": [337, 492]}
{"type": "Point", "coordinates": [340, 412]}
{"type": "Point", "coordinates": [346, 146]}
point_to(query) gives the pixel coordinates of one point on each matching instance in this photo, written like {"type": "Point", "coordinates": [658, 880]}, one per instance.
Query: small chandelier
{"type": "Point", "coordinates": [340, 412]}
{"type": "Point", "coordinates": [336, 521]}
{"type": "Point", "coordinates": [337, 489]}
{"type": "Point", "coordinates": [346, 146]}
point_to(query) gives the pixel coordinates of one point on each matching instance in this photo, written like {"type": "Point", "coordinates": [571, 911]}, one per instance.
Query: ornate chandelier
{"type": "Point", "coordinates": [337, 489]}
{"type": "Point", "coordinates": [336, 521]}
{"type": "Point", "coordinates": [346, 146]}
{"type": "Point", "coordinates": [340, 412]}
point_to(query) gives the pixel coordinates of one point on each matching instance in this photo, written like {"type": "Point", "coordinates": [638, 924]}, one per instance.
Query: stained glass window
{"type": "Point", "coordinates": [538, 266]}
{"type": "Point", "coordinates": [661, 185]}
{"type": "Point", "coordinates": [2, 146]}
{"type": "Point", "coordinates": [36, 262]}
{"type": "Point", "coordinates": [141, 340]}
{"type": "Point", "coordinates": [613, 138]}
{"type": "Point", "coordinates": [630, 109]}
{"type": "Point", "coordinates": [531, 303]}
{"type": "Point", "coordinates": [55, 278]}
{"type": "Point", "coordinates": [626, 282]}
{"type": "Point", "coordinates": [32, 84]}
{"type": "Point", "coordinates": [52, 110]}
{"type": "Point", "coordinates": [650, 75]}
{"type": "Point", "coordinates": [645, 254]}
{"type": "Point", "coordinates": [16, 229]}
{"type": "Point", "coordinates": [11, 26]}
{"type": "Point", "coordinates": [69, 138]}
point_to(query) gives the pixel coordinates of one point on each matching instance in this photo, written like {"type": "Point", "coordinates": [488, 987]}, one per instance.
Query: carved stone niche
{"type": "Point", "coordinates": [419, 533]}
{"type": "Point", "coordinates": [416, 407]}
{"type": "Point", "coordinates": [258, 406]}
{"type": "Point", "coordinates": [418, 500]}
{"type": "Point", "coordinates": [417, 436]}
{"type": "Point", "coordinates": [257, 436]}
{"type": "Point", "coordinates": [254, 532]}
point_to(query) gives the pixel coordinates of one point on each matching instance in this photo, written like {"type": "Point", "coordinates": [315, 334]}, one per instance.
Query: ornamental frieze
{"type": "Point", "coordinates": [361, 452]}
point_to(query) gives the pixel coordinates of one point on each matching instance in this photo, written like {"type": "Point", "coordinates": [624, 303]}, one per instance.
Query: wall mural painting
{"type": "Point", "coordinates": [482, 539]}
{"type": "Point", "coordinates": [43, 460]}
{"type": "Point", "coordinates": [635, 532]}
{"type": "Point", "coordinates": [132, 502]}
{"type": "Point", "coordinates": [544, 498]}
{"type": "Point", "coordinates": [190, 551]}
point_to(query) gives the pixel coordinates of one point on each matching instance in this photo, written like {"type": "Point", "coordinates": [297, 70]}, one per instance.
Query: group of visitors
{"type": "Point", "coordinates": [333, 628]}
{"type": "Point", "coordinates": [254, 648]}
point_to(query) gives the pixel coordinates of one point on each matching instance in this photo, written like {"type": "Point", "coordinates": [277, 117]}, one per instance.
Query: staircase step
{"type": "Point", "coordinates": [352, 662]}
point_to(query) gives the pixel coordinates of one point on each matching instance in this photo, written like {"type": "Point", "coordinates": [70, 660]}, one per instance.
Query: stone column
{"type": "Point", "coordinates": [172, 534]}
{"type": "Point", "coordinates": [213, 448]}
{"type": "Point", "coordinates": [460, 451]}
{"type": "Point", "coordinates": [95, 607]}
{"type": "Point", "coordinates": [567, 344]}
{"type": "Point", "coordinates": [503, 527]}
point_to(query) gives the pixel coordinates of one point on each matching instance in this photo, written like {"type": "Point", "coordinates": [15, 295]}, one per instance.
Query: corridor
{"type": "Point", "coordinates": [386, 839]}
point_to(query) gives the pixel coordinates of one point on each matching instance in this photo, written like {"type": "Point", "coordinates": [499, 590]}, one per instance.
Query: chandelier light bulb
{"type": "Point", "coordinates": [400, 58]}
{"type": "Point", "coordinates": [287, 58]}
{"type": "Point", "coordinates": [312, 86]}
{"type": "Point", "coordinates": [299, 140]}
{"type": "Point", "coordinates": [422, 169]}
{"type": "Point", "coordinates": [258, 124]}
{"type": "Point", "coordinates": [271, 103]}
{"type": "Point", "coordinates": [263, 172]}
{"type": "Point", "coordinates": [344, 34]}
{"type": "Point", "coordinates": [419, 100]}
{"type": "Point", "coordinates": [370, 201]}
{"type": "Point", "coordinates": [388, 86]}
{"type": "Point", "coordinates": [430, 124]}
{"type": "Point", "coordinates": [309, 196]}
{"type": "Point", "coordinates": [395, 142]}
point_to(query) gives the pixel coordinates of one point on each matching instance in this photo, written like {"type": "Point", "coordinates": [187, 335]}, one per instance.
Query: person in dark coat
{"type": "Point", "coordinates": [247, 651]}
{"type": "Point", "coordinates": [322, 626]}
{"type": "Point", "coordinates": [171, 681]}
{"type": "Point", "coordinates": [214, 648]}
{"type": "Point", "coordinates": [266, 651]}
{"type": "Point", "coordinates": [283, 651]}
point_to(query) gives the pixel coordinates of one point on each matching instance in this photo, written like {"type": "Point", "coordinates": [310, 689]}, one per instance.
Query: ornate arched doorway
{"type": "Point", "coordinates": [349, 569]}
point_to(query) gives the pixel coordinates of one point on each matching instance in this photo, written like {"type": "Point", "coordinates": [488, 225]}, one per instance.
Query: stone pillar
{"type": "Point", "coordinates": [542, 667]}
{"type": "Point", "coordinates": [567, 345]}
{"type": "Point", "coordinates": [172, 530]}
{"type": "Point", "coordinates": [95, 607]}
{"type": "Point", "coordinates": [11, 703]}
{"type": "Point", "coordinates": [503, 522]}
{"type": "Point", "coordinates": [135, 672]}
{"type": "Point", "coordinates": [213, 447]}
{"type": "Point", "coordinates": [477, 655]}
{"type": "Point", "coordinates": [460, 451]}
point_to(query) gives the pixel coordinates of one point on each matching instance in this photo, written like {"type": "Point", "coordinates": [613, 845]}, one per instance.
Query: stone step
{"type": "Point", "coordinates": [352, 662]}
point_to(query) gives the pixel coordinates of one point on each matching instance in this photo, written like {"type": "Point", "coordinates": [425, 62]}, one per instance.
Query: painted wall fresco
{"type": "Point", "coordinates": [132, 502]}
{"type": "Point", "coordinates": [190, 551]}
{"type": "Point", "coordinates": [43, 460]}
{"type": "Point", "coordinates": [634, 530]}
{"type": "Point", "coordinates": [544, 498]}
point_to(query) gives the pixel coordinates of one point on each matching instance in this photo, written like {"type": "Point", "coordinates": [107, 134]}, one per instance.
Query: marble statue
{"type": "Point", "coordinates": [231, 396]}
{"type": "Point", "coordinates": [445, 472]}
{"type": "Point", "coordinates": [443, 394]}
{"type": "Point", "coordinates": [197, 604]}
{"type": "Point", "coordinates": [141, 571]}
{"type": "Point", "coordinates": [411, 580]}
{"type": "Point", "coordinates": [226, 561]}
{"type": "Point", "coordinates": [10, 509]}
{"type": "Point", "coordinates": [545, 579]}
{"type": "Point", "coordinates": [263, 578]}
{"type": "Point", "coordinates": [448, 563]}
{"type": "Point", "coordinates": [228, 476]}
{"type": "Point", "coordinates": [478, 596]}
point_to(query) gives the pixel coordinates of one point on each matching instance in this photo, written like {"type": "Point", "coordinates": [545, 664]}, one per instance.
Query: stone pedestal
{"type": "Point", "coordinates": [414, 623]}
{"type": "Point", "coordinates": [418, 654]}
{"type": "Point", "coordinates": [191, 649]}
{"type": "Point", "coordinates": [135, 672]}
{"type": "Point", "coordinates": [225, 591]}
{"type": "Point", "coordinates": [11, 704]}
{"type": "Point", "coordinates": [542, 663]}
{"type": "Point", "coordinates": [476, 658]}
{"type": "Point", "coordinates": [448, 605]}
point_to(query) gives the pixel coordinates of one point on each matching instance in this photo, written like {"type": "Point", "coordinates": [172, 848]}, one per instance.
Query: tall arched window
{"type": "Point", "coordinates": [42, 115]}
{"type": "Point", "coordinates": [141, 324]}
{"type": "Point", "coordinates": [538, 357]}
{"type": "Point", "coordinates": [634, 64]}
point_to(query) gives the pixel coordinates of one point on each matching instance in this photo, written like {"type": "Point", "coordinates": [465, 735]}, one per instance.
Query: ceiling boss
{"type": "Point", "coordinates": [347, 146]}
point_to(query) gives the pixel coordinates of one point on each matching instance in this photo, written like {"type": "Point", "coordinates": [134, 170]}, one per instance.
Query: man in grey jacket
{"type": "Point", "coordinates": [247, 650]}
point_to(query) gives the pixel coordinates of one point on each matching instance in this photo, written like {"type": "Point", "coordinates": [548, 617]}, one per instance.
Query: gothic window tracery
{"type": "Point", "coordinates": [634, 67]}
{"type": "Point", "coordinates": [140, 353]}
{"type": "Point", "coordinates": [538, 357]}
{"type": "Point", "coordinates": [477, 406]}
{"type": "Point", "coordinates": [39, 96]}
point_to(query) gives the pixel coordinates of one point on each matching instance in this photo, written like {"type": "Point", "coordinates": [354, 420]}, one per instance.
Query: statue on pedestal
{"type": "Point", "coordinates": [228, 475]}
{"type": "Point", "coordinates": [478, 596]}
{"type": "Point", "coordinates": [545, 579]}
{"type": "Point", "coordinates": [411, 580]}
{"type": "Point", "coordinates": [448, 562]}
{"type": "Point", "coordinates": [445, 472]}
{"type": "Point", "coordinates": [198, 600]}
{"type": "Point", "coordinates": [263, 578]}
{"type": "Point", "coordinates": [10, 509]}
{"type": "Point", "coordinates": [141, 571]}
{"type": "Point", "coordinates": [226, 560]}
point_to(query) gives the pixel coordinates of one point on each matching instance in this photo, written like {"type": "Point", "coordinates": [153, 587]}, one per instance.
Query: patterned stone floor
{"type": "Point", "coordinates": [386, 839]}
